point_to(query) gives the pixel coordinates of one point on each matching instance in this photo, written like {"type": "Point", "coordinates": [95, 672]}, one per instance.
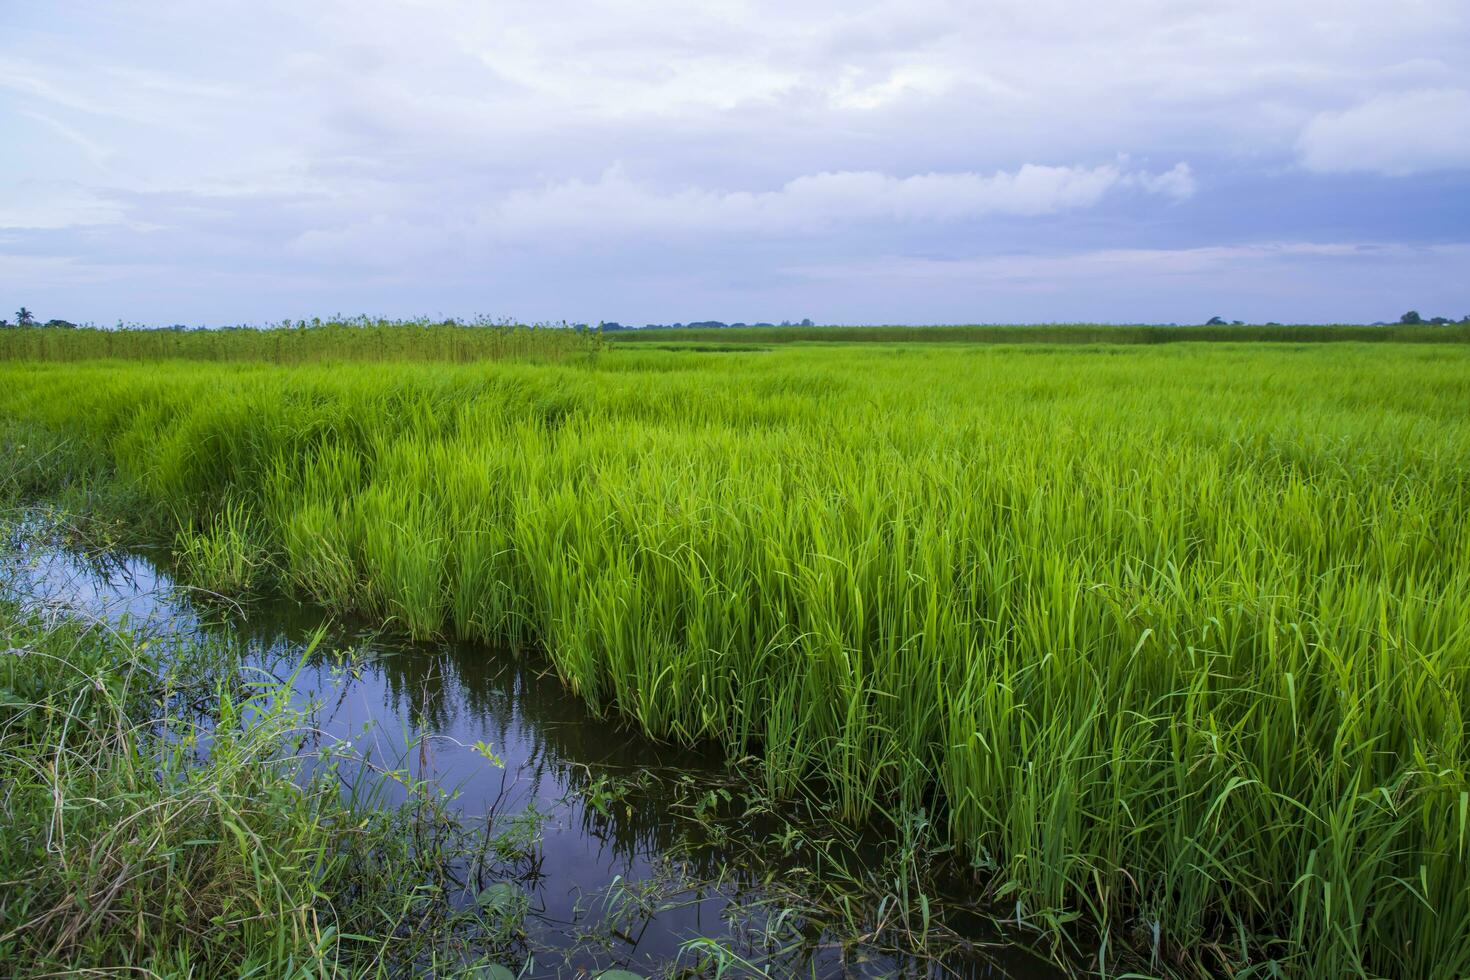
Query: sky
{"type": "Point", "coordinates": [919, 161]}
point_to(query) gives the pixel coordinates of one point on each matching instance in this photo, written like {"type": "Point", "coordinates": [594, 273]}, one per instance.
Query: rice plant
{"type": "Point", "coordinates": [1170, 640]}
{"type": "Point", "coordinates": [224, 557]}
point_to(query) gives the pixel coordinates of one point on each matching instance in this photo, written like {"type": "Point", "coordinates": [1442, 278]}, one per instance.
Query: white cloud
{"type": "Point", "coordinates": [616, 205]}
{"type": "Point", "coordinates": [45, 204]}
{"type": "Point", "coordinates": [1292, 282]}
{"type": "Point", "coordinates": [1397, 134]}
{"type": "Point", "coordinates": [1127, 264]}
{"type": "Point", "coordinates": [494, 152]}
{"type": "Point", "coordinates": [900, 84]}
{"type": "Point", "coordinates": [1177, 182]}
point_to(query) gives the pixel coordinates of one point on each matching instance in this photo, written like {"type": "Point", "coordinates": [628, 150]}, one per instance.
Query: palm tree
{"type": "Point", "coordinates": [24, 317]}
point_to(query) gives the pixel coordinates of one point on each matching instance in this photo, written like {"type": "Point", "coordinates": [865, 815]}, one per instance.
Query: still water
{"type": "Point", "coordinates": [641, 848]}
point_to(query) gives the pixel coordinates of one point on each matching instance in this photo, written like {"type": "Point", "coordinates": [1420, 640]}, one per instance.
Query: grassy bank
{"type": "Point", "coordinates": [160, 817]}
{"type": "Point", "coordinates": [1173, 639]}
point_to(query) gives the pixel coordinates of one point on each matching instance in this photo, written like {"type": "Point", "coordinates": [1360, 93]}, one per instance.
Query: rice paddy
{"type": "Point", "coordinates": [1169, 640]}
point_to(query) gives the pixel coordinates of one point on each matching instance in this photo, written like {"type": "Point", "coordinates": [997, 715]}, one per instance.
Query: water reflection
{"type": "Point", "coordinates": [632, 865]}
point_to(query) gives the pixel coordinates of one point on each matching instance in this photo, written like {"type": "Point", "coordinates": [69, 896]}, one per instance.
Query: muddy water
{"type": "Point", "coordinates": [630, 867]}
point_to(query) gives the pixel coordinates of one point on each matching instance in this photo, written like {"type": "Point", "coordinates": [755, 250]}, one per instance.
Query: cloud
{"type": "Point", "coordinates": [1132, 264]}
{"type": "Point", "coordinates": [616, 205]}
{"type": "Point", "coordinates": [541, 159]}
{"type": "Point", "coordinates": [49, 204]}
{"type": "Point", "coordinates": [1177, 182]}
{"type": "Point", "coordinates": [900, 84]}
{"type": "Point", "coordinates": [1396, 134]}
{"type": "Point", "coordinates": [1293, 282]}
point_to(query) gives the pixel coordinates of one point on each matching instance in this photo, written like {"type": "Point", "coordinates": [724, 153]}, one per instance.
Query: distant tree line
{"type": "Point", "coordinates": [1412, 319]}
{"type": "Point", "coordinates": [25, 318]}
{"type": "Point", "coordinates": [1409, 319]}
{"type": "Point", "coordinates": [698, 325]}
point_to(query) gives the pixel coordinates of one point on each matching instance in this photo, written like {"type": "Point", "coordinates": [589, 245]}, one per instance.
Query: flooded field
{"type": "Point", "coordinates": [642, 856]}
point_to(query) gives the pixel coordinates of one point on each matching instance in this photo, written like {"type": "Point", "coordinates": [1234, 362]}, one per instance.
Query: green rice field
{"type": "Point", "coordinates": [1170, 639]}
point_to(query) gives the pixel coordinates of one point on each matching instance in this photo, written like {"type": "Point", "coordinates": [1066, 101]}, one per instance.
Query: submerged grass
{"type": "Point", "coordinates": [1171, 640]}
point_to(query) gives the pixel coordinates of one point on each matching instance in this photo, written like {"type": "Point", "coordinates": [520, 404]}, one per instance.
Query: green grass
{"type": "Point", "coordinates": [161, 816]}
{"type": "Point", "coordinates": [224, 556]}
{"type": "Point", "coordinates": [1171, 639]}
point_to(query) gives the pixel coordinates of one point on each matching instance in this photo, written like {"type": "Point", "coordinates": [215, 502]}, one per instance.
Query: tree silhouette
{"type": "Point", "coordinates": [24, 317]}
{"type": "Point", "coordinates": [1411, 317]}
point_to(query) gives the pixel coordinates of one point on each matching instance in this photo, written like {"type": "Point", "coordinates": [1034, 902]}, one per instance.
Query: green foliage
{"type": "Point", "coordinates": [1172, 640]}
{"type": "Point", "coordinates": [224, 557]}
{"type": "Point", "coordinates": [142, 834]}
